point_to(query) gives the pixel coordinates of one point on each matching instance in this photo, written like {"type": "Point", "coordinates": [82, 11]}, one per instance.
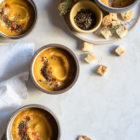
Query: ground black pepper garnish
{"type": "Point", "coordinates": [22, 129]}
{"type": "Point", "coordinates": [85, 19]}
{"type": "Point", "coordinates": [47, 73]}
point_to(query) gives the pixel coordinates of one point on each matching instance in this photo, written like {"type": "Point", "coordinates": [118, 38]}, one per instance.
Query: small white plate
{"type": "Point", "coordinates": [96, 39]}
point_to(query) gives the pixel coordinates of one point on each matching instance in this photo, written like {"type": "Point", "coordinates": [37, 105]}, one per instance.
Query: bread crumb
{"type": "Point", "coordinates": [87, 47]}
{"type": "Point", "coordinates": [90, 58]}
{"type": "Point", "coordinates": [84, 138]}
{"type": "Point", "coordinates": [102, 69]}
{"type": "Point", "coordinates": [120, 50]}
{"type": "Point", "coordinates": [122, 31]}
{"type": "Point", "coordinates": [106, 33]}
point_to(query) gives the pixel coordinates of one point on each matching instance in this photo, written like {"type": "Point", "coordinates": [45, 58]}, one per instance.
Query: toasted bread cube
{"type": "Point", "coordinates": [114, 16]}
{"type": "Point", "coordinates": [122, 31]}
{"type": "Point", "coordinates": [127, 15]}
{"type": "Point", "coordinates": [87, 47]}
{"type": "Point", "coordinates": [107, 20]}
{"type": "Point", "coordinates": [106, 33]}
{"type": "Point", "coordinates": [120, 50]}
{"type": "Point", "coordinates": [90, 58]}
{"type": "Point", "coordinates": [102, 69]}
{"type": "Point", "coordinates": [115, 22]}
{"type": "Point", "coordinates": [84, 138]}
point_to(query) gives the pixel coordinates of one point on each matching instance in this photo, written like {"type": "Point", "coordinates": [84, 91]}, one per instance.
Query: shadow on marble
{"type": "Point", "coordinates": [30, 86]}
{"type": "Point", "coordinates": [111, 50]}
{"type": "Point", "coordinates": [5, 40]}
{"type": "Point", "coordinates": [32, 89]}
{"type": "Point", "coordinates": [82, 58]}
{"type": "Point", "coordinates": [94, 70]}
{"type": "Point", "coordinates": [79, 44]}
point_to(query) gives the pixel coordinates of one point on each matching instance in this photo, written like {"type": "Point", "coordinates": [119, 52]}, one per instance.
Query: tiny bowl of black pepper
{"type": "Point", "coordinates": [33, 121]}
{"type": "Point", "coordinates": [85, 17]}
{"type": "Point", "coordinates": [54, 69]}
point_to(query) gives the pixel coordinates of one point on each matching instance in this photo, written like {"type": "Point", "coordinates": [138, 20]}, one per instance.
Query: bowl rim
{"type": "Point", "coordinates": [117, 9]}
{"type": "Point", "coordinates": [75, 60]}
{"type": "Point", "coordinates": [30, 29]}
{"type": "Point", "coordinates": [15, 113]}
{"type": "Point", "coordinates": [78, 28]}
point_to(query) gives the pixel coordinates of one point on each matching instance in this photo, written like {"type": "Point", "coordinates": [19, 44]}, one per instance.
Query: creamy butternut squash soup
{"type": "Point", "coordinates": [33, 124]}
{"type": "Point", "coordinates": [54, 69]}
{"type": "Point", "coordinates": [117, 3]}
{"type": "Point", "coordinates": [16, 17]}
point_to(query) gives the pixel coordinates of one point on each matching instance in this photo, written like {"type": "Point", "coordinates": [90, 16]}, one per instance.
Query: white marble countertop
{"type": "Point", "coordinates": [104, 108]}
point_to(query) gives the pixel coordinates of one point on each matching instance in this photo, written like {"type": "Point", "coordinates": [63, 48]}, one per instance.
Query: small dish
{"type": "Point", "coordinates": [86, 5]}
{"type": "Point", "coordinates": [20, 18]}
{"type": "Point", "coordinates": [51, 118]}
{"type": "Point", "coordinates": [115, 10]}
{"type": "Point", "coordinates": [95, 38]}
{"type": "Point", "coordinates": [57, 65]}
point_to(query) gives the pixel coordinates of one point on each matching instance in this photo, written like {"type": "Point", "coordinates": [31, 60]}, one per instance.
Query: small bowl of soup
{"type": "Point", "coordinates": [33, 122]}
{"type": "Point", "coordinates": [116, 6]}
{"type": "Point", "coordinates": [54, 69]}
{"type": "Point", "coordinates": [17, 18]}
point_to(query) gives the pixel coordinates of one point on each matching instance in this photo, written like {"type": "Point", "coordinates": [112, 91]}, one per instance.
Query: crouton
{"type": "Point", "coordinates": [90, 58]}
{"type": "Point", "coordinates": [106, 33]}
{"type": "Point", "coordinates": [127, 15]}
{"type": "Point", "coordinates": [122, 31]}
{"type": "Point", "coordinates": [102, 69]}
{"type": "Point", "coordinates": [120, 50]}
{"type": "Point", "coordinates": [84, 138]}
{"type": "Point", "coordinates": [113, 16]}
{"type": "Point", "coordinates": [87, 47]}
{"type": "Point", "coordinates": [115, 22]}
{"type": "Point", "coordinates": [107, 20]}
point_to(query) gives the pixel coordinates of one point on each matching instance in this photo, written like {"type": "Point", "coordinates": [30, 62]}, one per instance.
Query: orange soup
{"type": "Point", "coordinates": [32, 124]}
{"type": "Point", "coordinates": [117, 3]}
{"type": "Point", "coordinates": [16, 17]}
{"type": "Point", "coordinates": [54, 69]}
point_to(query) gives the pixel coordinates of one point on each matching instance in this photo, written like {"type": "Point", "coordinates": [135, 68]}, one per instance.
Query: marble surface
{"type": "Point", "coordinates": [104, 108]}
